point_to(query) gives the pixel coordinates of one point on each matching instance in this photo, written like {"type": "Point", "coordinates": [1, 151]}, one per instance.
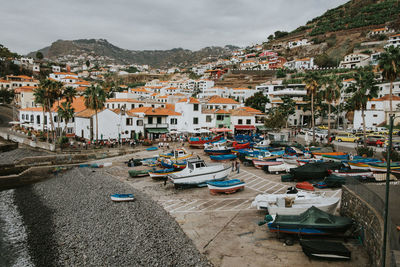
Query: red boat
{"type": "Point", "coordinates": [237, 145]}
{"type": "Point", "coordinates": [305, 186]}
{"type": "Point", "coordinates": [200, 141]}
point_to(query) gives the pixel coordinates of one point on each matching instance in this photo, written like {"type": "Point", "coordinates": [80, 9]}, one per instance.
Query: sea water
{"type": "Point", "coordinates": [13, 237]}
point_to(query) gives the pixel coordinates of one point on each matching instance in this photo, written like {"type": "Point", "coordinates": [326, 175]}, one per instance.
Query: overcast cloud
{"type": "Point", "coordinates": [28, 25]}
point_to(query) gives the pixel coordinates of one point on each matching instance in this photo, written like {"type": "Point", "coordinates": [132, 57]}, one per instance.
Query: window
{"type": "Point", "coordinates": [373, 106]}
{"type": "Point", "coordinates": [240, 121]}
{"type": "Point", "coordinates": [73, 119]}
{"type": "Point", "coordinates": [132, 106]}
{"type": "Point", "coordinates": [195, 120]}
{"type": "Point", "coordinates": [159, 120]}
{"type": "Point", "coordinates": [208, 118]}
{"type": "Point", "coordinates": [38, 119]}
{"type": "Point", "coordinates": [220, 117]}
{"type": "Point", "coordinates": [195, 107]}
{"type": "Point", "coordinates": [70, 130]}
{"type": "Point", "coordinates": [45, 119]}
{"type": "Point", "coordinates": [55, 118]}
{"type": "Point", "coordinates": [174, 121]}
{"type": "Point", "coordinates": [375, 115]}
{"type": "Point", "coordinates": [150, 120]}
{"type": "Point", "coordinates": [139, 123]}
{"type": "Point", "coordinates": [248, 122]}
{"type": "Point", "coordinates": [223, 107]}
{"type": "Point", "coordinates": [23, 116]}
{"type": "Point", "coordinates": [113, 106]}
{"type": "Point", "coordinates": [128, 121]}
{"type": "Point", "coordinates": [32, 118]}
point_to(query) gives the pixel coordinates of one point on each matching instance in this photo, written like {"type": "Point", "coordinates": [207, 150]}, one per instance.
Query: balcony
{"type": "Point", "coordinates": [156, 125]}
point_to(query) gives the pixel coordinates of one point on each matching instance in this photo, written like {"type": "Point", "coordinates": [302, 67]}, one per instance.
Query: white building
{"type": "Point", "coordinates": [297, 43]}
{"type": "Point", "coordinates": [304, 63]}
{"type": "Point", "coordinates": [192, 118]}
{"type": "Point", "coordinates": [384, 30]}
{"type": "Point", "coordinates": [355, 60]}
{"type": "Point", "coordinates": [394, 40]}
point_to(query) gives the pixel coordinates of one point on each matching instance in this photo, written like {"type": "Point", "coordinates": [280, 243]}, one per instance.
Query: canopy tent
{"type": "Point", "coordinates": [221, 130]}
{"type": "Point", "coordinates": [157, 130]}
{"type": "Point", "coordinates": [15, 122]}
{"type": "Point", "coordinates": [204, 131]}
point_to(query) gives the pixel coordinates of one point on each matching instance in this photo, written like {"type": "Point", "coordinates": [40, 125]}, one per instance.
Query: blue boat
{"type": "Point", "coordinates": [152, 148]}
{"type": "Point", "coordinates": [223, 157]}
{"type": "Point", "coordinates": [226, 183]}
{"type": "Point", "coordinates": [228, 187]}
{"type": "Point", "coordinates": [122, 197]}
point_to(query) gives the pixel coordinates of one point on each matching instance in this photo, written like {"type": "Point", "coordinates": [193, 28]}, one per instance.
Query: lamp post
{"type": "Point", "coordinates": [386, 211]}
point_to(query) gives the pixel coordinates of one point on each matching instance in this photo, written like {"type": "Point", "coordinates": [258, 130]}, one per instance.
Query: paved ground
{"type": "Point", "coordinates": [224, 227]}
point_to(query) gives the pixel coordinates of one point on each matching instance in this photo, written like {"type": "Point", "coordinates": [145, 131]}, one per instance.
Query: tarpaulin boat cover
{"type": "Point", "coordinates": [325, 249]}
{"type": "Point", "coordinates": [317, 170]}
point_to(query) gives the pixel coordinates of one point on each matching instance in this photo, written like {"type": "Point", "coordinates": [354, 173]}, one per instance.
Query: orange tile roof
{"type": "Point", "coordinates": [170, 106]}
{"type": "Point", "coordinates": [87, 113]}
{"type": "Point", "coordinates": [221, 111]}
{"type": "Point", "coordinates": [32, 109]}
{"type": "Point", "coordinates": [380, 29]}
{"type": "Point", "coordinates": [252, 110]}
{"type": "Point", "coordinates": [303, 59]}
{"type": "Point", "coordinates": [128, 100]}
{"type": "Point", "coordinates": [82, 82]}
{"type": "Point", "coordinates": [4, 81]}
{"type": "Point", "coordinates": [349, 80]}
{"type": "Point", "coordinates": [163, 96]}
{"type": "Point", "coordinates": [149, 111]}
{"type": "Point", "coordinates": [25, 89]}
{"type": "Point", "coordinates": [78, 104]}
{"type": "Point", "coordinates": [386, 97]}
{"type": "Point", "coordinates": [241, 88]}
{"type": "Point", "coordinates": [80, 88]}
{"type": "Point", "coordinates": [222, 100]}
{"type": "Point", "coordinates": [395, 35]}
{"type": "Point", "coordinates": [240, 112]}
{"type": "Point", "coordinates": [65, 73]}
{"type": "Point", "coordinates": [248, 61]}
{"type": "Point", "coordinates": [171, 88]}
{"type": "Point", "coordinates": [140, 90]}
{"type": "Point", "coordinates": [70, 77]}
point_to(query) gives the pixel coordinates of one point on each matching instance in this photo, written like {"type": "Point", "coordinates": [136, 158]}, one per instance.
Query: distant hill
{"type": "Point", "coordinates": [111, 53]}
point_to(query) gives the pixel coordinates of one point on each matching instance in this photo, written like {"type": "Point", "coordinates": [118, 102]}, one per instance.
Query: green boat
{"type": "Point", "coordinates": [138, 173]}
{"type": "Point", "coordinates": [311, 222]}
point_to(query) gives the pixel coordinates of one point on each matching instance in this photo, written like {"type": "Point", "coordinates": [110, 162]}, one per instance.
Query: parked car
{"type": "Point", "coordinates": [346, 137]}
{"type": "Point", "coordinates": [375, 140]}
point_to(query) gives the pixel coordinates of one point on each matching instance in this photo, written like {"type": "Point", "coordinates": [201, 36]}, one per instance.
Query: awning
{"type": "Point", "coordinates": [262, 128]}
{"type": "Point", "coordinates": [157, 130]}
{"type": "Point", "coordinates": [245, 127]}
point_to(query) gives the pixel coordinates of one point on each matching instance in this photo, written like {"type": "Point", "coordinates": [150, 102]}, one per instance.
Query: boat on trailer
{"type": "Point", "coordinates": [198, 173]}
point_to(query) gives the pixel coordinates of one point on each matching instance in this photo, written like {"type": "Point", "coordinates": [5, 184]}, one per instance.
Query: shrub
{"type": "Point", "coordinates": [394, 155]}
{"type": "Point", "coordinates": [63, 140]}
{"type": "Point", "coordinates": [362, 150]}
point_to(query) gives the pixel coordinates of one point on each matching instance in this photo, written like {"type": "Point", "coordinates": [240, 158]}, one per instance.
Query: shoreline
{"type": "Point", "coordinates": [71, 220]}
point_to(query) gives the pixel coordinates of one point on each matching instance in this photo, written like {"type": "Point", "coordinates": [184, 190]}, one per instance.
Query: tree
{"type": "Point", "coordinates": [69, 94]}
{"type": "Point", "coordinates": [66, 112]}
{"type": "Point", "coordinates": [87, 63]}
{"type": "Point", "coordinates": [287, 108]}
{"type": "Point", "coordinates": [312, 80]}
{"type": "Point", "coordinates": [324, 61]}
{"type": "Point", "coordinates": [39, 55]}
{"type": "Point", "coordinates": [330, 95]}
{"type": "Point", "coordinates": [270, 37]}
{"type": "Point", "coordinates": [280, 73]}
{"type": "Point", "coordinates": [95, 97]}
{"type": "Point", "coordinates": [275, 119]}
{"type": "Point", "coordinates": [6, 96]}
{"type": "Point", "coordinates": [363, 90]}
{"type": "Point", "coordinates": [389, 62]}
{"type": "Point", "coordinates": [257, 101]}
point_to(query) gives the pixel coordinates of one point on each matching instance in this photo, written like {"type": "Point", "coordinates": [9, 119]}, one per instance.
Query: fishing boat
{"type": "Point", "coordinates": [261, 163]}
{"type": "Point", "coordinates": [294, 204]}
{"type": "Point", "coordinates": [153, 148]}
{"type": "Point", "coordinates": [334, 180]}
{"type": "Point", "coordinates": [122, 197]}
{"type": "Point", "coordinates": [177, 154]}
{"type": "Point", "coordinates": [362, 164]}
{"type": "Point", "coordinates": [179, 165]}
{"type": "Point", "coordinates": [226, 157]}
{"type": "Point", "coordinates": [312, 221]}
{"type": "Point", "coordinates": [305, 186]}
{"type": "Point", "coordinates": [138, 173]}
{"type": "Point", "coordinates": [162, 173]}
{"type": "Point", "coordinates": [335, 158]}
{"type": "Point", "coordinates": [262, 145]}
{"type": "Point", "coordinates": [237, 145]}
{"type": "Point", "coordinates": [350, 172]}
{"type": "Point", "coordinates": [149, 161]}
{"type": "Point", "coordinates": [200, 141]}
{"type": "Point", "coordinates": [313, 171]}
{"type": "Point", "coordinates": [166, 163]}
{"type": "Point", "coordinates": [319, 155]}
{"type": "Point", "coordinates": [279, 168]}
{"type": "Point", "coordinates": [197, 172]}
{"type": "Point", "coordinates": [301, 162]}
{"type": "Point", "coordinates": [227, 187]}
{"type": "Point", "coordinates": [382, 167]}
{"type": "Point", "coordinates": [293, 159]}
{"type": "Point", "coordinates": [262, 155]}
{"type": "Point", "coordinates": [323, 249]}
{"type": "Point", "coordinates": [217, 149]}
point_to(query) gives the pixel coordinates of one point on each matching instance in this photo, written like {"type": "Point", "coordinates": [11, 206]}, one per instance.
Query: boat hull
{"type": "Point", "coordinates": [122, 197]}
{"type": "Point", "coordinates": [227, 189]}
{"type": "Point", "coordinates": [298, 209]}
{"type": "Point", "coordinates": [260, 163]}
{"type": "Point", "coordinates": [199, 179]}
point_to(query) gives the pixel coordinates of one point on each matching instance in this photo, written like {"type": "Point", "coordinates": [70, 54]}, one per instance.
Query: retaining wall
{"type": "Point", "coordinates": [365, 216]}
{"type": "Point", "coordinates": [24, 140]}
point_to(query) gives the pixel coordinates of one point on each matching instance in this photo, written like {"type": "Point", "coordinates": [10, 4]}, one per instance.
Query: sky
{"type": "Point", "coordinates": [28, 25]}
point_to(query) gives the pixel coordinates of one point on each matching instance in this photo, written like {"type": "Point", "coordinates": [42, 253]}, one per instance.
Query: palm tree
{"type": "Point", "coordinates": [331, 94]}
{"type": "Point", "coordinates": [40, 98]}
{"type": "Point", "coordinates": [66, 112]}
{"type": "Point", "coordinates": [363, 90]}
{"type": "Point", "coordinates": [312, 80]}
{"type": "Point", "coordinates": [389, 63]}
{"type": "Point", "coordinates": [95, 97]}
{"type": "Point", "coordinates": [70, 94]}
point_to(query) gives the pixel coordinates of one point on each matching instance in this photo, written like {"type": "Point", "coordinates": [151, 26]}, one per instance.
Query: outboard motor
{"type": "Point", "coordinates": [292, 190]}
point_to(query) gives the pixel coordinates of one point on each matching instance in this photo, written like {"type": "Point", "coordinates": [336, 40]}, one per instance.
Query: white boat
{"type": "Point", "coordinates": [262, 144]}
{"type": "Point", "coordinates": [122, 197]}
{"type": "Point", "coordinates": [177, 154]}
{"type": "Point", "coordinates": [197, 172]}
{"type": "Point", "coordinates": [280, 168]}
{"type": "Point", "coordinates": [294, 204]}
{"type": "Point", "coordinates": [293, 160]}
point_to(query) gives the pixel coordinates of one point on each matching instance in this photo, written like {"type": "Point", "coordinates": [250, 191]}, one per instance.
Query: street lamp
{"type": "Point", "coordinates": [386, 211]}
